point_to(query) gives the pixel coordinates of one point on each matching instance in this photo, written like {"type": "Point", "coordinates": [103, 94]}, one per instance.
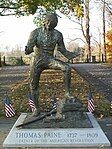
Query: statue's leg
{"type": "Point", "coordinates": [34, 87]}
{"type": "Point", "coordinates": [67, 81]}
{"type": "Point", "coordinates": [67, 74]}
{"type": "Point", "coordinates": [57, 64]}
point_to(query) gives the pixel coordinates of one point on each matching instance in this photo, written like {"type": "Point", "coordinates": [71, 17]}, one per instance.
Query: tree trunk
{"type": "Point", "coordinates": [104, 32]}
{"type": "Point", "coordinates": [0, 61]}
{"type": "Point", "coordinates": [87, 29]}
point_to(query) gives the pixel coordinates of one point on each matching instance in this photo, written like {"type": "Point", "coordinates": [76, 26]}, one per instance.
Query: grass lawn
{"type": "Point", "coordinates": [51, 85]}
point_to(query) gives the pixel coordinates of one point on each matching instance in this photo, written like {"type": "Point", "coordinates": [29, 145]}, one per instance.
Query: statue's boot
{"type": "Point", "coordinates": [68, 96]}
{"type": "Point", "coordinates": [60, 104]}
{"type": "Point", "coordinates": [36, 112]}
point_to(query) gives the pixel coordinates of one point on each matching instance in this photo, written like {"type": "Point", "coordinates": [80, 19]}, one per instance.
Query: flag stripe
{"type": "Point", "coordinates": [31, 103]}
{"type": "Point", "coordinates": [91, 106]}
{"type": "Point", "coordinates": [9, 110]}
{"type": "Point", "coordinates": [8, 114]}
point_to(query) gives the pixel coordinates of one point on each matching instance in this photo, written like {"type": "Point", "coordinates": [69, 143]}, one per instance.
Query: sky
{"type": "Point", "coordinates": [15, 31]}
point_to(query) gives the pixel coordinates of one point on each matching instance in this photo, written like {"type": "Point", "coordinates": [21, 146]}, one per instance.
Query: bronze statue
{"type": "Point", "coordinates": [46, 38]}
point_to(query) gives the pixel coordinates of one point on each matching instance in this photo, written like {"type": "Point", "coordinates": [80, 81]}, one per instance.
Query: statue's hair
{"type": "Point", "coordinates": [52, 17]}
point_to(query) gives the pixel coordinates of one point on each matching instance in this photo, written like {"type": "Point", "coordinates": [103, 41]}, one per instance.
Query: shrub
{"type": "Point", "coordinates": [15, 61]}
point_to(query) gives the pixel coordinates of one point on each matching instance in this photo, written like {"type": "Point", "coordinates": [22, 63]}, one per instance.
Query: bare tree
{"type": "Point", "coordinates": [106, 10]}
{"type": "Point", "coordinates": [104, 31]}
{"type": "Point", "coordinates": [0, 60]}
{"type": "Point", "coordinates": [98, 44]}
{"type": "Point", "coordinates": [87, 29]}
{"type": "Point", "coordinates": [0, 52]}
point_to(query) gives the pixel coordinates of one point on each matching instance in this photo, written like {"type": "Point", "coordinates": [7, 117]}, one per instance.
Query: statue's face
{"type": "Point", "coordinates": [51, 21]}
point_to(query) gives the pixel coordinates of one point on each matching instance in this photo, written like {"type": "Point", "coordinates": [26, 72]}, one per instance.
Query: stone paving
{"type": "Point", "coordinates": [99, 77]}
{"type": "Point", "coordinates": [11, 75]}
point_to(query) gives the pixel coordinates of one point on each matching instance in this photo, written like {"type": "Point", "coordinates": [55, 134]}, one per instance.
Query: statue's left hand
{"type": "Point", "coordinates": [74, 54]}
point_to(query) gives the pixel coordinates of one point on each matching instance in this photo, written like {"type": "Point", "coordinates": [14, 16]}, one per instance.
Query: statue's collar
{"type": "Point", "coordinates": [47, 32]}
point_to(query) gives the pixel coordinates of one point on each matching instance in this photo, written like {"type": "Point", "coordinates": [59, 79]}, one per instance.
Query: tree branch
{"type": "Point", "coordinates": [77, 39]}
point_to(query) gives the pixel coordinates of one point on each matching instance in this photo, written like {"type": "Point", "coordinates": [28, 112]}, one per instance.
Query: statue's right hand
{"type": "Point", "coordinates": [27, 51]}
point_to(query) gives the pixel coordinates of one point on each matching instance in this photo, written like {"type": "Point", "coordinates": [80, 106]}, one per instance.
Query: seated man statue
{"type": "Point", "coordinates": [45, 39]}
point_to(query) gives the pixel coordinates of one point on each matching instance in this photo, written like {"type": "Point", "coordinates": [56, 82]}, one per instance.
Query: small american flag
{"type": "Point", "coordinates": [31, 102]}
{"type": "Point", "coordinates": [91, 106]}
{"type": "Point", "coordinates": [9, 110]}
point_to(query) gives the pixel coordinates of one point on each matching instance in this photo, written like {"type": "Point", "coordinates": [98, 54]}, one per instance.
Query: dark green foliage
{"type": "Point", "coordinates": [26, 7]}
{"type": "Point", "coordinates": [16, 61]}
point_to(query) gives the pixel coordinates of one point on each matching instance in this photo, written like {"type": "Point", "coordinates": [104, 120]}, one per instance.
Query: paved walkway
{"type": "Point", "coordinates": [99, 76]}
{"type": "Point", "coordinates": [11, 75]}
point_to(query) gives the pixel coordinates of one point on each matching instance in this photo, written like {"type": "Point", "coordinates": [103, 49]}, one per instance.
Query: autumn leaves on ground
{"type": "Point", "coordinates": [51, 85]}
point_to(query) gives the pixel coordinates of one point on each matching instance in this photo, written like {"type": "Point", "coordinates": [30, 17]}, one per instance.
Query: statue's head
{"type": "Point", "coordinates": [50, 21]}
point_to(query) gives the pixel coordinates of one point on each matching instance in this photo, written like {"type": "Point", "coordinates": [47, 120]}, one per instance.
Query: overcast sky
{"type": "Point", "coordinates": [16, 30]}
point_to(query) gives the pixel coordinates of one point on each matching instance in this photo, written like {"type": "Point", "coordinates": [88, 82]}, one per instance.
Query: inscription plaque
{"type": "Point", "coordinates": [48, 137]}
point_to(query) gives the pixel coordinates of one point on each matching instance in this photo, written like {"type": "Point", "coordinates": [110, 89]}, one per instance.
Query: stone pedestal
{"type": "Point", "coordinates": [56, 137]}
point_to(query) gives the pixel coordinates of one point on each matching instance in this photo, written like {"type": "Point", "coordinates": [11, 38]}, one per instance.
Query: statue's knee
{"type": "Point", "coordinates": [34, 84]}
{"type": "Point", "coordinates": [33, 87]}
